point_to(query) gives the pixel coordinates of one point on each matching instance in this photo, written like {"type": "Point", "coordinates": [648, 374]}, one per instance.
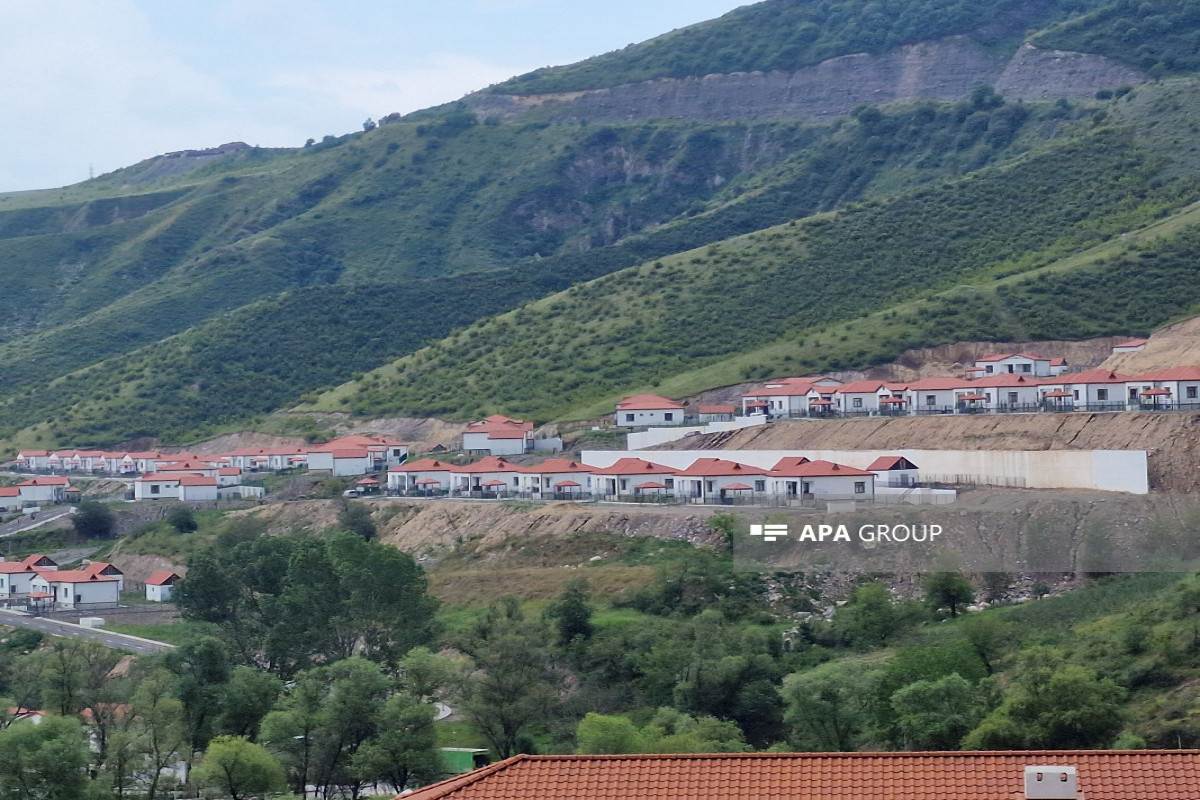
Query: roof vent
{"type": "Point", "coordinates": [1051, 783]}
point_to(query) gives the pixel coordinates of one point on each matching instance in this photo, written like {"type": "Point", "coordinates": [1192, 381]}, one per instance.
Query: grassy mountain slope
{"type": "Point", "coordinates": [642, 326]}
{"type": "Point", "coordinates": [874, 155]}
{"type": "Point", "coordinates": [789, 34]}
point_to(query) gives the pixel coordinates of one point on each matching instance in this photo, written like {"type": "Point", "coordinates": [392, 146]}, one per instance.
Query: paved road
{"type": "Point", "coordinates": [43, 518]}
{"type": "Point", "coordinates": [118, 641]}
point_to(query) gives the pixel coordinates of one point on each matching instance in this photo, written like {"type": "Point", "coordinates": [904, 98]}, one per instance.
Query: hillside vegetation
{"type": "Point", "coordinates": [1157, 35]}
{"type": "Point", "coordinates": [321, 334]}
{"type": "Point", "coordinates": [644, 326]}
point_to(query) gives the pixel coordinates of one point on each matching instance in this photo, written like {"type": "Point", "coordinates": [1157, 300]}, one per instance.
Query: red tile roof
{"type": "Point", "coordinates": [788, 387]}
{"type": "Point", "coordinates": [821, 469]}
{"type": "Point", "coordinates": [73, 576]}
{"type": "Point", "coordinates": [890, 462]}
{"type": "Point", "coordinates": [162, 578]}
{"type": "Point", "coordinates": [1103, 775]}
{"type": "Point", "coordinates": [1003, 379]}
{"type": "Point", "coordinates": [717, 409]}
{"type": "Point", "coordinates": [10, 491]}
{"type": "Point", "coordinates": [939, 384]}
{"type": "Point", "coordinates": [489, 464]}
{"type": "Point", "coordinates": [717, 468]}
{"type": "Point", "coordinates": [14, 567]}
{"type": "Point", "coordinates": [197, 480]}
{"type": "Point", "coordinates": [45, 481]}
{"type": "Point", "coordinates": [633, 466]}
{"type": "Point", "coordinates": [1132, 343]}
{"type": "Point", "coordinates": [556, 465]}
{"type": "Point", "coordinates": [860, 387]}
{"type": "Point", "coordinates": [424, 465]}
{"type": "Point", "coordinates": [647, 402]}
{"type": "Point", "coordinates": [1091, 376]}
{"type": "Point", "coordinates": [102, 568]}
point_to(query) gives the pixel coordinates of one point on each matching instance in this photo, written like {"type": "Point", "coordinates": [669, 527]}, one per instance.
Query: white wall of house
{"type": "Point", "coordinates": [650, 416]}
{"type": "Point", "coordinates": [41, 494]}
{"type": "Point", "coordinates": [847, 486]}
{"type": "Point", "coordinates": [318, 462]}
{"type": "Point", "coordinates": [71, 595]}
{"type": "Point", "coordinates": [156, 490]}
{"type": "Point", "coordinates": [158, 594]}
{"type": "Point", "coordinates": [923, 399]}
{"type": "Point", "coordinates": [16, 584]}
{"type": "Point", "coordinates": [481, 441]}
{"type": "Point", "coordinates": [195, 494]}
{"type": "Point", "coordinates": [345, 467]}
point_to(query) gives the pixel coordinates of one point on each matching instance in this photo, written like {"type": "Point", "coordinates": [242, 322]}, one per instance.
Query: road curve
{"type": "Point", "coordinates": [117, 641]}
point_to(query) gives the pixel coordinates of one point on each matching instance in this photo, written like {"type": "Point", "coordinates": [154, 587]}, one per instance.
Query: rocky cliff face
{"type": "Point", "coordinates": [948, 69]}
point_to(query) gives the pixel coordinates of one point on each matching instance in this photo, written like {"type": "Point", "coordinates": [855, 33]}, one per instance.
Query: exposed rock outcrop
{"type": "Point", "coordinates": [947, 69]}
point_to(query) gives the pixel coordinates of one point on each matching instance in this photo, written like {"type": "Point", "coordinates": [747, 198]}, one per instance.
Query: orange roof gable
{"type": "Point", "coordinates": [718, 467]}
{"type": "Point", "coordinates": [1103, 775]}
{"type": "Point", "coordinates": [552, 465]}
{"type": "Point", "coordinates": [821, 469]}
{"type": "Point", "coordinates": [162, 578]}
{"type": "Point", "coordinates": [647, 402]}
{"type": "Point", "coordinates": [633, 466]}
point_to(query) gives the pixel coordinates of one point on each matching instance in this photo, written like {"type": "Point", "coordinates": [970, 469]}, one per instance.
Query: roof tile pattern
{"type": "Point", "coordinates": [1103, 775]}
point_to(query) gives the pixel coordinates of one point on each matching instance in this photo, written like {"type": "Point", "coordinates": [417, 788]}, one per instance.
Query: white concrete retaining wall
{"type": "Point", "coordinates": [1105, 470]}
{"type": "Point", "coordinates": [653, 436]}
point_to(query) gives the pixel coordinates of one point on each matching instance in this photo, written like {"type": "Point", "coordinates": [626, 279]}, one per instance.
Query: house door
{"type": "Point", "coordinates": [807, 487]}
{"type": "Point", "coordinates": [791, 487]}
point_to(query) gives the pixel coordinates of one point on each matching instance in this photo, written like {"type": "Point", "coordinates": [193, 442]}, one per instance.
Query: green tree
{"type": "Point", "coordinates": [870, 618]}
{"type": "Point", "coordinates": [47, 761]}
{"type": "Point", "coordinates": [512, 691]}
{"type": "Point", "coordinates": [572, 614]}
{"type": "Point", "coordinates": [403, 751]}
{"type": "Point", "coordinates": [599, 734]}
{"type": "Point", "coordinates": [183, 519]}
{"type": "Point", "coordinates": [1054, 706]}
{"type": "Point", "coordinates": [246, 699]}
{"type": "Point", "coordinates": [828, 708]}
{"type": "Point", "coordinates": [356, 518]}
{"type": "Point", "coordinates": [948, 590]}
{"type": "Point", "coordinates": [936, 715]}
{"type": "Point", "coordinates": [429, 676]}
{"type": "Point", "coordinates": [93, 520]}
{"type": "Point", "coordinates": [239, 768]}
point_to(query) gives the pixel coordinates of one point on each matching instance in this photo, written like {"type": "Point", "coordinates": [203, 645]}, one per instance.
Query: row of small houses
{"type": "Point", "coordinates": [705, 480]}
{"type": "Point", "coordinates": [1000, 390]}
{"type": "Point", "coordinates": [38, 583]}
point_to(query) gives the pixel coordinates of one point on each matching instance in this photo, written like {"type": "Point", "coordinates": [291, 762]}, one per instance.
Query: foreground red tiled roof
{"type": "Point", "coordinates": [73, 576]}
{"type": "Point", "coordinates": [890, 462]}
{"type": "Point", "coordinates": [10, 491]}
{"type": "Point", "coordinates": [1103, 775]}
{"type": "Point", "coordinates": [820, 469]}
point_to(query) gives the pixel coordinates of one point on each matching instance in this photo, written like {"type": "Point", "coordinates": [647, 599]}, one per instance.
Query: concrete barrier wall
{"type": "Point", "coordinates": [655, 436]}
{"type": "Point", "coordinates": [1104, 470]}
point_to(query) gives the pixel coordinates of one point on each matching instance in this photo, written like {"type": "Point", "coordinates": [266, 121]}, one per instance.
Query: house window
{"type": "Point", "coordinates": [708, 486]}
{"type": "Point", "coordinates": [760, 486]}
{"type": "Point", "coordinates": [1102, 394]}
{"type": "Point", "coordinates": [516, 481]}
{"type": "Point", "coordinates": [1026, 367]}
{"type": "Point", "coordinates": [860, 487]}
{"type": "Point", "coordinates": [1191, 393]}
{"type": "Point", "coordinates": [154, 488]}
{"type": "Point", "coordinates": [669, 483]}
{"type": "Point", "coordinates": [857, 402]}
{"type": "Point", "coordinates": [1076, 393]}
{"type": "Point", "coordinates": [629, 417]}
{"type": "Point", "coordinates": [624, 484]}
{"type": "Point", "coordinates": [989, 370]}
{"type": "Point", "coordinates": [1133, 394]}
{"type": "Point", "coordinates": [1012, 398]}
{"type": "Point", "coordinates": [668, 416]}
{"type": "Point", "coordinates": [931, 399]}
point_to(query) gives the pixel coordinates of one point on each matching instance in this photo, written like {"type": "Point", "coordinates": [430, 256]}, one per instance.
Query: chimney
{"type": "Point", "coordinates": [1051, 783]}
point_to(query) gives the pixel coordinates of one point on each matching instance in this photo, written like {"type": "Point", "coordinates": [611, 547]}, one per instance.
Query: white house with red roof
{"type": "Point", "coordinates": [160, 586]}
{"type": "Point", "coordinates": [869, 397]}
{"type": "Point", "coordinates": [788, 397]}
{"type": "Point", "coordinates": [633, 476]}
{"type": "Point", "coordinates": [648, 409]}
{"type": "Point", "coordinates": [556, 476]}
{"type": "Point", "coordinates": [33, 460]}
{"type": "Point", "coordinates": [1001, 392]}
{"type": "Point", "coordinates": [10, 498]}
{"type": "Point", "coordinates": [716, 479]}
{"type": "Point", "coordinates": [498, 435]}
{"type": "Point", "coordinates": [1027, 364]}
{"type": "Point", "coordinates": [357, 455]}
{"type": "Point", "coordinates": [797, 476]}
{"type": "Point", "coordinates": [44, 489]}
{"type": "Point", "coordinates": [1165, 388]}
{"type": "Point", "coordinates": [937, 395]}
{"type": "Point", "coordinates": [107, 569]}
{"type": "Point", "coordinates": [490, 475]}
{"type": "Point", "coordinates": [715, 412]}
{"type": "Point", "coordinates": [1131, 346]}
{"type": "Point", "coordinates": [16, 576]}
{"type": "Point", "coordinates": [185, 486]}
{"type": "Point", "coordinates": [1096, 388]}
{"type": "Point", "coordinates": [424, 475]}
{"type": "Point", "coordinates": [894, 471]}
{"type": "Point", "coordinates": [75, 588]}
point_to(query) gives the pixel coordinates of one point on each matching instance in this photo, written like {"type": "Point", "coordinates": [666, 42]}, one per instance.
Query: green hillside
{"type": "Point", "coordinates": [1155, 35]}
{"type": "Point", "coordinates": [104, 377]}
{"type": "Point", "coordinates": [787, 288]}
